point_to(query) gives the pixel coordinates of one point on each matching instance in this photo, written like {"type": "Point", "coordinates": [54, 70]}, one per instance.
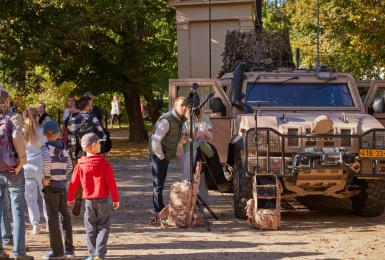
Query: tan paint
{"type": "Point", "coordinates": [328, 182]}
{"type": "Point", "coordinates": [221, 136]}
{"type": "Point", "coordinates": [192, 21]}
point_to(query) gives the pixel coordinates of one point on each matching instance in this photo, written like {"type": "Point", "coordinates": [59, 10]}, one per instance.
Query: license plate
{"type": "Point", "coordinates": [372, 153]}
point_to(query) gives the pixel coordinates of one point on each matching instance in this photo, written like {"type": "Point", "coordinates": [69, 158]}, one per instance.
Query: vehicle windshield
{"type": "Point", "coordinates": [299, 95]}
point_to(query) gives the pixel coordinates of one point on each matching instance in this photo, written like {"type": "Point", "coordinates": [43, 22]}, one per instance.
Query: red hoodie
{"type": "Point", "coordinates": [95, 175]}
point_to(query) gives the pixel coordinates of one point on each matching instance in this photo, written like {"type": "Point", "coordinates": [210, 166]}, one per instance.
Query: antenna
{"type": "Point", "coordinates": [210, 39]}
{"type": "Point", "coordinates": [318, 35]}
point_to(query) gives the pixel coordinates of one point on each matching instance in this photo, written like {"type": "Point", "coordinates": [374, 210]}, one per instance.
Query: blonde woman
{"type": "Point", "coordinates": [33, 170]}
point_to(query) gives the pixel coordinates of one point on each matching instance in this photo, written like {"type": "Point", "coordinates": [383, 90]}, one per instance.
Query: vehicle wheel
{"type": "Point", "coordinates": [242, 188]}
{"type": "Point", "coordinates": [371, 201]}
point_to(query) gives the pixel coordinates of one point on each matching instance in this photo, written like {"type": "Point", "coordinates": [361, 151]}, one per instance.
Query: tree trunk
{"type": "Point", "coordinates": [20, 79]}
{"type": "Point", "coordinates": [152, 105]}
{"type": "Point", "coordinates": [137, 132]}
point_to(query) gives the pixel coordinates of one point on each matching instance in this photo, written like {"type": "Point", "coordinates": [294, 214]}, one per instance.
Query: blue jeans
{"type": "Point", "coordinates": [6, 229]}
{"type": "Point", "coordinates": [159, 173]}
{"type": "Point", "coordinates": [97, 224]}
{"type": "Point", "coordinates": [16, 187]}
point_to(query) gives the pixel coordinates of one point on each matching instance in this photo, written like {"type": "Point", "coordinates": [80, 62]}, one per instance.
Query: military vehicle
{"type": "Point", "coordinates": [313, 132]}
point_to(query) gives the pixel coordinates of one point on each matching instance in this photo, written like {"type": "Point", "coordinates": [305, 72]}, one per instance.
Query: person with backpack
{"type": "Point", "coordinates": [13, 157]}
{"type": "Point", "coordinates": [57, 165]}
{"type": "Point", "coordinates": [33, 170]}
{"type": "Point", "coordinates": [83, 123]}
{"type": "Point", "coordinates": [95, 110]}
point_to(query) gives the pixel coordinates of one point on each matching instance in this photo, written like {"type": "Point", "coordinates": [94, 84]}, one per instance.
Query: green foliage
{"type": "Point", "coordinates": [127, 47]}
{"type": "Point", "coordinates": [351, 34]}
{"type": "Point", "coordinates": [111, 45]}
{"type": "Point", "coordinates": [54, 96]}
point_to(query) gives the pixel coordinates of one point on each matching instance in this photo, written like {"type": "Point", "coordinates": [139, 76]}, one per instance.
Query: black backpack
{"type": "Point", "coordinates": [88, 126]}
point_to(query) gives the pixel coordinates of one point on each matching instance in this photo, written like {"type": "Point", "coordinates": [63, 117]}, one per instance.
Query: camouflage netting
{"type": "Point", "coordinates": [276, 50]}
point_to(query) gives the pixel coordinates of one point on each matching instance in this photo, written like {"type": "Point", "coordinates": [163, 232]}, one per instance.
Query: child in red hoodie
{"type": "Point", "coordinates": [95, 175]}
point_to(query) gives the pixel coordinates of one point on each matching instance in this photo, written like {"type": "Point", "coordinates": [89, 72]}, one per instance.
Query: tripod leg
{"type": "Point", "coordinates": [207, 207]}
{"type": "Point", "coordinates": [199, 207]}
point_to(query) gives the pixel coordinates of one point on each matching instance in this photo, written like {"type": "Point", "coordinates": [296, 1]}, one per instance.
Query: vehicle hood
{"type": "Point", "coordinates": [356, 122]}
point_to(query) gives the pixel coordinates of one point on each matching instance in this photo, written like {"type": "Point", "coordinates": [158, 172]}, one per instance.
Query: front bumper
{"type": "Point", "coordinates": [272, 152]}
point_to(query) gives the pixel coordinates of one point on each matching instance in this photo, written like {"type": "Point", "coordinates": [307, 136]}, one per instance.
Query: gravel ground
{"type": "Point", "coordinates": [323, 229]}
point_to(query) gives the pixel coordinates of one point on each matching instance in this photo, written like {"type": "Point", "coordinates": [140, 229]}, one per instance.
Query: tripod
{"type": "Point", "coordinates": [193, 102]}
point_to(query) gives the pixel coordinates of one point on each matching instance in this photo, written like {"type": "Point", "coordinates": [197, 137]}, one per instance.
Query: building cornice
{"type": "Point", "coordinates": [179, 3]}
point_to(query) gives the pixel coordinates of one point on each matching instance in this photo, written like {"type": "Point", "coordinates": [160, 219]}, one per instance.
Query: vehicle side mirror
{"type": "Point", "coordinates": [378, 105]}
{"type": "Point", "coordinates": [217, 106]}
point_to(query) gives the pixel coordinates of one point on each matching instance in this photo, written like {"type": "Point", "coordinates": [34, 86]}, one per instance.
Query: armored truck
{"type": "Point", "coordinates": [309, 128]}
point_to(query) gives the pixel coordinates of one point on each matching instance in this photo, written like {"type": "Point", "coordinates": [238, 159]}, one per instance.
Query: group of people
{"type": "Point", "coordinates": [36, 156]}
{"type": "Point", "coordinates": [171, 138]}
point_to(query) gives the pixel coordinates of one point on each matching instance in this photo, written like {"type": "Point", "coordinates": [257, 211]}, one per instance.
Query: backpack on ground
{"type": "Point", "coordinates": [8, 155]}
{"type": "Point", "coordinates": [264, 210]}
{"type": "Point", "coordinates": [181, 210]}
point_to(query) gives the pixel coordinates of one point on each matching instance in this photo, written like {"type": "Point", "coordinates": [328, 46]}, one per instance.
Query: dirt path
{"type": "Point", "coordinates": [329, 231]}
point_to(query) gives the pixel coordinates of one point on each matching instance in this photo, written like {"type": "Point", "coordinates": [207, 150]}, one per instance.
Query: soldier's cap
{"type": "Point", "coordinates": [51, 127]}
{"type": "Point", "coordinates": [89, 139]}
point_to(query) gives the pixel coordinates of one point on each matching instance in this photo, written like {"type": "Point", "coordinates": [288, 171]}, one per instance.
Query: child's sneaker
{"type": "Point", "coordinates": [35, 230]}
{"type": "Point", "coordinates": [93, 258]}
{"type": "Point", "coordinates": [8, 244]}
{"type": "Point", "coordinates": [51, 255]}
{"type": "Point", "coordinates": [69, 254]}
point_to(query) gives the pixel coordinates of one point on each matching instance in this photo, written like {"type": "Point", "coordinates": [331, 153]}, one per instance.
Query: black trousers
{"type": "Point", "coordinates": [56, 201]}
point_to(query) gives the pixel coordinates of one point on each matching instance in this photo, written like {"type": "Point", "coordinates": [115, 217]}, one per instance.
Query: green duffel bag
{"type": "Point", "coordinates": [206, 149]}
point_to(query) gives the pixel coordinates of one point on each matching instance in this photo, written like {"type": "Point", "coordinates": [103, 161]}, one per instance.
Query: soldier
{"type": "Point", "coordinates": [164, 141]}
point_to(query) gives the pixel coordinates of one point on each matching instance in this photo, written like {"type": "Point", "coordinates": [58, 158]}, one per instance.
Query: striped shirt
{"type": "Point", "coordinates": [56, 163]}
{"type": "Point", "coordinates": [74, 124]}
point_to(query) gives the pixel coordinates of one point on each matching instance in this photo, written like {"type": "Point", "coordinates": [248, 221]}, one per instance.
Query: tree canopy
{"type": "Point", "coordinates": [101, 46]}
{"type": "Point", "coordinates": [351, 34]}
{"type": "Point", "coordinates": [129, 47]}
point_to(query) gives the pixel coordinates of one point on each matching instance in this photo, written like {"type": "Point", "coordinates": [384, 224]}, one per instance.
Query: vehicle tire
{"type": "Point", "coordinates": [371, 201]}
{"type": "Point", "coordinates": [242, 188]}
